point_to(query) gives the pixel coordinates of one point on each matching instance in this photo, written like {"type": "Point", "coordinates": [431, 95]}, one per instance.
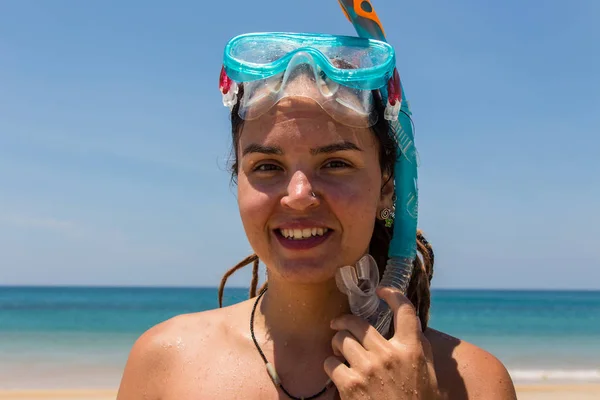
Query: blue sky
{"type": "Point", "coordinates": [114, 142]}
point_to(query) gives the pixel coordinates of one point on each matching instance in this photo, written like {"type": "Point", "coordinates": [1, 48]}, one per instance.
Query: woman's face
{"type": "Point", "coordinates": [287, 155]}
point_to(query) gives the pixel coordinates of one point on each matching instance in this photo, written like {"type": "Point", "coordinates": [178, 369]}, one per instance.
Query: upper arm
{"type": "Point", "coordinates": [147, 366]}
{"type": "Point", "coordinates": [465, 371]}
{"type": "Point", "coordinates": [486, 377]}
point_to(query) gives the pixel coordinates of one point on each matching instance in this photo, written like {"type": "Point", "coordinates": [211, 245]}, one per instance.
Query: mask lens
{"type": "Point", "coordinates": [305, 78]}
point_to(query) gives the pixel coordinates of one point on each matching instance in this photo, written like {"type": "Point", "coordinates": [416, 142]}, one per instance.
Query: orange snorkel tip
{"type": "Point", "coordinates": [362, 15]}
{"type": "Point", "coordinates": [365, 9]}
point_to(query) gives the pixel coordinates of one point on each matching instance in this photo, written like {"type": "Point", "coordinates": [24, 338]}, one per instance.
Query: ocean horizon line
{"type": "Point", "coordinates": [215, 287]}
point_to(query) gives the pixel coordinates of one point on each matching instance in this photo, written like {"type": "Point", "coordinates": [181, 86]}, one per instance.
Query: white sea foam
{"type": "Point", "coordinates": [555, 375]}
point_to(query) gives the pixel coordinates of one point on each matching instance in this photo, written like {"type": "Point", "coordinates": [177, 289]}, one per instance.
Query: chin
{"type": "Point", "coordinates": [305, 271]}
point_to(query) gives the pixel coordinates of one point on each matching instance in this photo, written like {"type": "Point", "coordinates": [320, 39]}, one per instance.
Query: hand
{"type": "Point", "coordinates": [381, 369]}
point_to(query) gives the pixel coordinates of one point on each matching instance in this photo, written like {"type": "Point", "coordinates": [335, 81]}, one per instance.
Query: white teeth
{"type": "Point", "coordinates": [305, 233]}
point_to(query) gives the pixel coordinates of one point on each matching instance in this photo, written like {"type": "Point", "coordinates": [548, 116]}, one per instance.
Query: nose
{"type": "Point", "coordinates": [300, 194]}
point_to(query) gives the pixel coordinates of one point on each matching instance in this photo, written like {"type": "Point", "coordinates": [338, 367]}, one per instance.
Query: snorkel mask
{"type": "Point", "coordinates": [338, 72]}
{"type": "Point", "coordinates": [341, 74]}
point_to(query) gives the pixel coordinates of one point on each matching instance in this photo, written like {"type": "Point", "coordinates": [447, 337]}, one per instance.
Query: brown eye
{"type": "Point", "coordinates": [266, 168]}
{"type": "Point", "coordinates": [336, 164]}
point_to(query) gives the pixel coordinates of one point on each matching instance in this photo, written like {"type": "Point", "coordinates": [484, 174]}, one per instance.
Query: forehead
{"type": "Point", "coordinates": [300, 122]}
{"type": "Point", "coordinates": [349, 106]}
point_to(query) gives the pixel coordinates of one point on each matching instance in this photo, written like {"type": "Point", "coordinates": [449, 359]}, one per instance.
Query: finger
{"type": "Point", "coordinates": [337, 371]}
{"type": "Point", "coordinates": [364, 332]}
{"type": "Point", "coordinates": [345, 345]}
{"type": "Point", "coordinates": [335, 367]}
{"type": "Point", "coordinates": [406, 323]}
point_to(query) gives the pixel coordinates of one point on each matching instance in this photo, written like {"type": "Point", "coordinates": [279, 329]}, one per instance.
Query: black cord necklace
{"type": "Point", "coordinates": [270, 367]}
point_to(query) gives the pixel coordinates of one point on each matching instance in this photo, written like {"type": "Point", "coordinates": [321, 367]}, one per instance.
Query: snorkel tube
{"type": "Point", "coordinates": [358, 283]}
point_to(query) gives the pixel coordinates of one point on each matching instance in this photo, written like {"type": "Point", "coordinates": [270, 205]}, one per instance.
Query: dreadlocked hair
{"type": "Point", "coordinates": [419, 287]}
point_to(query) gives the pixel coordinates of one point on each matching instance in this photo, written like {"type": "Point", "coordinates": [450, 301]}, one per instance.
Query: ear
{"type": "Point", "coordinates": [386, 198]}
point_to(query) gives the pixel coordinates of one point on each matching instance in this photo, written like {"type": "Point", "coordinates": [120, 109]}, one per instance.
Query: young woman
{"type": "Point", "coordinates": [315, 151]}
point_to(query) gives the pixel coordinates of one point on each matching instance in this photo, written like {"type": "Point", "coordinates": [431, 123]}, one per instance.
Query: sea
{"type": "Point", "coordinates": [79, 337]}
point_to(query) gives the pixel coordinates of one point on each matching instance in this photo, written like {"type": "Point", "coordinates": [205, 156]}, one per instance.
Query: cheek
{"type": "Point", "coordinates": [248, 200]}
{"type": "Point", "coordinates": [355, 203]}
{"type": "Point", "coordinates": [255, 207]}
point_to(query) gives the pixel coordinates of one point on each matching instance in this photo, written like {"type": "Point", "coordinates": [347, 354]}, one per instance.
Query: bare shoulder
{"type": "Point", "coordinates": [159, 352]}
{"type": "Point", "coordinates": [466, 371]}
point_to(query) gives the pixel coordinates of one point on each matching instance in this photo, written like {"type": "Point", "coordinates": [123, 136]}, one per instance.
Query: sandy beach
{"type": "Point", "coordinates": [525, 392]}
{"type": "Point", "coordinates": [559, 392]}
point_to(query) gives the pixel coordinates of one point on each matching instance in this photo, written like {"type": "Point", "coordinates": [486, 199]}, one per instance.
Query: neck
{"type": "Point", "coordinates": [301, 314]}
{"type": "Point", "coordinates": [296, 334]}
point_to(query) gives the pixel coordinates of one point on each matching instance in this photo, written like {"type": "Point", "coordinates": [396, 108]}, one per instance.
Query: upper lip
{"type": "Point", "coordinates": [302, 224]}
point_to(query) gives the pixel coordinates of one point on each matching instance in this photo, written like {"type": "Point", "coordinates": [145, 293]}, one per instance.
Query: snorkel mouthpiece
{"type": "Point", "coordinates": [359, 284]}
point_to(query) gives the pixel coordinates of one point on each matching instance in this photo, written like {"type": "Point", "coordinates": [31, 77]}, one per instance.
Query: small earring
{"type": "Point", "coordinates": [388, 216]}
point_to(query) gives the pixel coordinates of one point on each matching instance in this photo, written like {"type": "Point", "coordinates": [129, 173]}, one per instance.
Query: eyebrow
{"type": "Point", "coordinates": [274, 150]}
{"type": "Point", "coordinates": [259, 148]}
{"type": "Point", "coordinates": [335, 147]}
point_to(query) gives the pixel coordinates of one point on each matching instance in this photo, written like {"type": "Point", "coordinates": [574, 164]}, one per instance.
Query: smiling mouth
{"type": "Point", "coordinates": [302, 234]}
{"type": "Point", "coordinates": [302, 239]}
